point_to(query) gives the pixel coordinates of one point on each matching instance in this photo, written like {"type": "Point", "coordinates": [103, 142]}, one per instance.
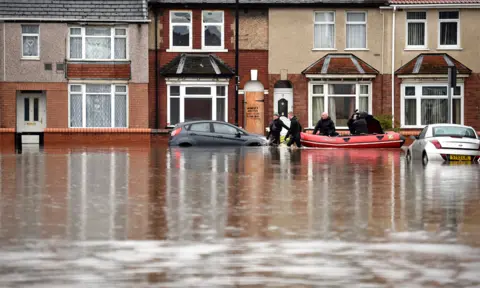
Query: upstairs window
{"type": "Point", "coordinates": [356, 30]}
{"type": "Point", "coordinates": [98, 43]}
{"type": "Point", "coordinates": [181, 29]}
{"type": "Point", "coordinates": [30, 41]}
{"type": "Point", "coordinates": [449, 29]}
{"type": "Point", "coordinates": [212, 29]}
{"type": "Point", "coordinates": [416, 29]}
{"type": "Point", "coordinates": [324, 30]}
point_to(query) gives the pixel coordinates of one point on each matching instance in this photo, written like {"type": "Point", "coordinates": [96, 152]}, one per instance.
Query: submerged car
{"type": "Point", "coordinates": [213, 133]}
{"type": "Point", "coordinates": [445, 142]}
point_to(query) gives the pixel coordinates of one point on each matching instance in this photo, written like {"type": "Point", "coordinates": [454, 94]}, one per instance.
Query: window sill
{"type": "Point", "coordinates": [416, 49]}
{"type": "Point", "coordinates": [98, 60]}
{"type": "Point", "coordinates": [449, 48]}
{"type": "Point", "coordinates": [97, 130]}
{"type": "Point", "coordinates": [30, 59]}
{"type": "Point", "coordinates": [205, 50]}
{"type": "Point", "coordinates": [357, 49]}
{"type": "Point", "coordinates": [324, 49]}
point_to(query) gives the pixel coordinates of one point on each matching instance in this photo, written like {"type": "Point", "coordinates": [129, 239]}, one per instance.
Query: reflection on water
{"type": "Point", "coordinates": [236, 217]}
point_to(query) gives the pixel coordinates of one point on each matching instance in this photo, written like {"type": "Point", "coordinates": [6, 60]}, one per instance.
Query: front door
{"type": "Point", "coordinates": [282, 104]}
{"type": "Point", "coordinates": [31, 112]}
{"type": "Point", "coordinates": [254, 112]}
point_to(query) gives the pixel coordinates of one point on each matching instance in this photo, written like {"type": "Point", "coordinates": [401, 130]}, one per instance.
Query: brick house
{"type": "Point", "coordinates": [71, 68]}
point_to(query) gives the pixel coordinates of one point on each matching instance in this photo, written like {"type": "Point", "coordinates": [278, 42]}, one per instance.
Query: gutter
{"type": "Point", "coordinates": [393, 66]}
{"type": "Point", "coordinates": [423, 6]}
{"type": "Point", "coordinates": [71, 20]}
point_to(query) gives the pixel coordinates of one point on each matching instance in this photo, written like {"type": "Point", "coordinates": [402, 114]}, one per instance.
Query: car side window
{"type": "Point", "coordinates": [200, 127]}
{"type": "Point", "coordinates": [423, 133]}
{"type": "Point", "coordinates": [224, 129]}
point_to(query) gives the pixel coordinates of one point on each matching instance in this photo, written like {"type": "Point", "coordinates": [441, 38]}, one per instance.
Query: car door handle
{"type": "Point", "coordinates": [193, 134]}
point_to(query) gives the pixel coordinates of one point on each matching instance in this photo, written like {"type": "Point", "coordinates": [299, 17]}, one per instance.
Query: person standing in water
{"type": "Point", "coordinates": [275, 128]}
{"type": "Point", "coordinates": [295, 130]}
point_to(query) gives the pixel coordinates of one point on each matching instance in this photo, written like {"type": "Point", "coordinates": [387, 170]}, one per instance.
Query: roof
{"type": "Point", "coordinates": [100, 10]}
{"type": "Point", "coordinates": [427, 2]}
{"type": "Point", "coordinates": [432, 63]}
{"type": "Point", "coordinates": [273, 2]}
{"type": "Point", "coordinates": [198, 65]}
{"type": "Point", "coordinates": [340, 64]}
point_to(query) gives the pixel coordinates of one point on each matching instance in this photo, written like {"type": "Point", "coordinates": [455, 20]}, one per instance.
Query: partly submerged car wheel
{"type": "Point", "coordinates": [424, 158]}
{"type": "Point", "coordinates": [408, 157]}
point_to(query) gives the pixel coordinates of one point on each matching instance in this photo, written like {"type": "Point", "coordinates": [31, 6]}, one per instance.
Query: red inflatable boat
{"type": "Point", "coordinates": [386, 140]}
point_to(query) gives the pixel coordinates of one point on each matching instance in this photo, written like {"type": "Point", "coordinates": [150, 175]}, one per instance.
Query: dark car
{"type": "Point", "coordinates": [213, 133]}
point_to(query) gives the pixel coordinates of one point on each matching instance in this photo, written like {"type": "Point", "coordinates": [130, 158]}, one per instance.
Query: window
{"type": "Point", "coordinates": [324, 30]}
{"type": "Point", "coordinates": [356, 30]}
{"type": "Point", "coordinates": [30, 41]}
{"type": "Point", "coordinates": [446, 131]}
{"type": "Point", "coordinates": [98, 105]}
{"type": "Point", "coordinates": [98, 43]}
{"type": "Point", "coordinates": [212, 29]}
{"type": "Point", "coordinates": [425, 104]}
{"type": "Point", "coordinates": [224, 129]}
{"type": "Point", "coordinates": [200, 127]}
{"type": "Point", "coordinates": [449, 29]}
{"type": "Point", "coordinates": [189, 102]}
{"type": "Point", "coordinates": [416, 29]}
{"type": "Point", "coordinates": [340, 101]}
{"type": "Point", "coordinates": [181, 30]}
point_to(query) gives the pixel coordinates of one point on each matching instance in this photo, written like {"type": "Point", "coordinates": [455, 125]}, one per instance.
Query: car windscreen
{"type": "Point", "coordinates": [453, 131]}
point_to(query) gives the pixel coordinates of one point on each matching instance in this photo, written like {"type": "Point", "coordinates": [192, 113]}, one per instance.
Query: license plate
{"type": "Point", "coordinates": [460, 158]}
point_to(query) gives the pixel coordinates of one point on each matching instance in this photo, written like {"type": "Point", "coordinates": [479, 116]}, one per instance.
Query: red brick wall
{"type": "Point", "coordinates": [472, 101]}
{"type": "Point", "coordinates": [138, 105]}
{"type": "Point", "coordinates": [98, 139]}
{"type": "Point", "coordinates": [98, 71]}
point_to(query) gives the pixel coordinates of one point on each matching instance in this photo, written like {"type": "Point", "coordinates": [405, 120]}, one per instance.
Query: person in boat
{"type": "Point", "coordinates": [358, 123]}
{"type": "Point", "coordinates": [295, 130]}
{"type": "Point", "coordinates": [275, 128]}
{"type": "Point", "coordinates": [325, 126]}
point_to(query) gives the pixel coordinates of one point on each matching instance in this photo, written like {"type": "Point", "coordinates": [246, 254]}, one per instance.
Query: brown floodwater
{"type": "Point", "coordinates": [236, 217]}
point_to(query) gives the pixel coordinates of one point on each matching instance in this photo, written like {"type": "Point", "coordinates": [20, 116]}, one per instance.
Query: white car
{"type": "Point", "coordinates": [445, 142]}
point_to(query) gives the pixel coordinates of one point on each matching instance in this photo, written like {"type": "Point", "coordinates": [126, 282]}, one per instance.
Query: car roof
{"type": "Point", "coordinates": [203, 121]}
{"type": "Point", "coordinates": [448, 125]}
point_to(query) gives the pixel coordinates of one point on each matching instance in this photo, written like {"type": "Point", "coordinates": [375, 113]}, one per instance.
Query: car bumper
{"type": "Point", "coordinates": [448, 155]}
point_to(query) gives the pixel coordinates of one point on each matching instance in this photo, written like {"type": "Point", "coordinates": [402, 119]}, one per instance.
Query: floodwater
{"type": "Point", "coordinates": [256, 217]}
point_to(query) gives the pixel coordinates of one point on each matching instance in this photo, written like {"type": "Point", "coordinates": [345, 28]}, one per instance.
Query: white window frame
{"type": "Point", "coordinates": [84, 104]}
{"type": "Point", "coordinates": [222, 31]}
{"type": "Point", "coordinates": [112, 41]}
{"type": "Point", "coordinates": [418, 96]}
{"type": "Point", "coordinates": [440, 21]}
{"type": "Point", "coordinates": [356, 23]}
{"type": "Point", "coordinates": [325, 23]}
{"type": "Point", "coordinates": [37, 57]}
{"type": "Point", "coordinates": [326, 96]}
{"type": "Point", "coordinates": [213, 96]}
{"type": "Point", "coordinates": [424, 21]}
{"type": "Point", "coordinates": [189, 25]}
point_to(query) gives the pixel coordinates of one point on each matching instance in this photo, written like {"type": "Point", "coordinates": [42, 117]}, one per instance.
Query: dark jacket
{"type": "Point", "coordinates": [325, 126]}
{"type": "Point", "coordinates": [276, 127]}
{"type": "Point", "coordinates": [295, 128]}
{"type": "Point", "coordinates": [360, 126]}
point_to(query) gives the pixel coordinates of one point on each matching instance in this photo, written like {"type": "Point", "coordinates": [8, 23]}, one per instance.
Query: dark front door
{"type": "Point", "coordinates": [282, 107]}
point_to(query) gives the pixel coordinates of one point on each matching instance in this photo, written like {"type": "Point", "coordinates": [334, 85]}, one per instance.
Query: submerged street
{"type": "Point", "coordinates": [236, 217]}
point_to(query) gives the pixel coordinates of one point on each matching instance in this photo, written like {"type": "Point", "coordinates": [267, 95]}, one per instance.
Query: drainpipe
{"type": "Point", "coordinates": [393, 66]}
{"type": "Point", "coordinates": [236, 61]}
{"type": "Point", "coordinates": [156, 67]}
{"type": "Point", "coordinates": [383, 52]}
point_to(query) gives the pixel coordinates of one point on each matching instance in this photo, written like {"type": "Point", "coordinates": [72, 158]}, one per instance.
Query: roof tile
{"type": "Point", "coordinates": [422, 2]}
{"type": "Point", "coordinates": [339, 64]}
{"type": "Point", "coordinates": [431, 64]}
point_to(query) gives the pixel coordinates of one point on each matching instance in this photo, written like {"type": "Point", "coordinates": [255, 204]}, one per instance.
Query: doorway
{"type": "Point", "coordinates": [31, 116]}
{"type": "Point", "coordinates": [282, 104]}
{"type": "Point", "coordinates": [254, 107]}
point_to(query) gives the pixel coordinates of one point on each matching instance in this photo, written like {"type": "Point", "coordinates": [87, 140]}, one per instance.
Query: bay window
{"type": "Point", "coordinates": [181, 29]}
{"type": "Point", "coordinates": [98, 43]}
{"type": "Point", "coordinates": [189, 102]}
{"type": "Point", "coordinates": [98, 105]}
{"type": "Point", "coordinates": [449, 29]}
{"type": "Point", "coordinates": [340, 100]}
{"type": "Point", "coordinates": [212, 29]}
{"type": "Point", "coordinates": [324, 30]}
{"type": "Point", "coordinates": [356, 30]}
{"type": "Point", "coordinates": [416, 30]}
{"type": "Point", "coordinates": [425, 104]}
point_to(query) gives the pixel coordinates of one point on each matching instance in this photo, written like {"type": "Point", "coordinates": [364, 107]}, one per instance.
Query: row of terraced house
{"type": "Point", "coordinates": [122, 71]}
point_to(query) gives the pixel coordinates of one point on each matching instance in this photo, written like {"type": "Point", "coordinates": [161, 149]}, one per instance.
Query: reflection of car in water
{"type": "Point", "coordinates": [445, 142]}
{"type": "Point", "coordinates": [213, 133]}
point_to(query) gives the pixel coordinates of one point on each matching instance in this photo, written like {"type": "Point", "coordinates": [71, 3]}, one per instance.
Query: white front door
{"type": "Point", "coordinates": [31, 112]}
{"type": "Point", "coordinates": [282, 103]}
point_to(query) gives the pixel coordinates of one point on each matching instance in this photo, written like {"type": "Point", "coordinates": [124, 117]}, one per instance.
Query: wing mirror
{"type": "Point", "coordinates": [238, 135]}
{"type": "Point", "coordinates": [414, 137]}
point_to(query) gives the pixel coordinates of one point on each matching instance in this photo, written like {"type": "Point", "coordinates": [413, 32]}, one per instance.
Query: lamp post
{"type": "Point", "coordinates": [236, 61]}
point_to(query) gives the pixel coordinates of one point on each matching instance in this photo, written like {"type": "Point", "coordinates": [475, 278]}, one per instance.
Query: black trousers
{"type": "Point", "coordinates": [275, 138]}
{"type": "Point", "coordinates": [295, 139]}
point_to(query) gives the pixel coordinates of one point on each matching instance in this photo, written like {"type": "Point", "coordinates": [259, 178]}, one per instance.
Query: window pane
{"type": "Point", "coordinates": [121, 89]}
{"type": "Point", "coordinates": [198, 109]}
{"type": "Point", "coordinates": [317, 89]}
{"type": "Point", "coordinates": [76, 110]}
{"type": "Point", "coordinates": [410, 112]}
{"type": "Point", "coordinates": [434, 111]}
{"type": "Point", "coordinates": [221, 109]}
{"type": "Point", "coordinates": [456, 111]}
{"type": "Point", "coordinates": [224, 129]}
{"type": "Point", "coordinates": [363, 104]}
{"type": "Point", "coordinates": [198, 90]}
{"type": "Point", "coordinates": [120, 48]}
{"type": "Point", "coordinates": [324, 17]}
{"type": "Point", "coordinates": [98, 88]}
{"type": "Point", "coordinates": [364, 89]}
{"type": "Point", "coordinates": [120, 110]}
{"type": "Point", "coordinates": [221, 91]}
{"type": "Point", "coordinates": [35, 109]}
{"type": "Point", "coordinates": [340, 109]}
{"type": "Point", "coordinates": [416, 15]}
{"type": "Point", "coordinates": [457, 91]}
{"type": "Point", "coordinates": [341, 89]}
{"type": "Point", "coordinates": [434, 91]}
{"type": "Point", "coordinates": [98, 48]}
{"type": "Point", "coordinates": [174, 90]}
{"type": "Point", "coordinates": [181, 36]}
{"type": "Point", "coordinates": [30, 29]}
{"type": "Point", "coordinates": [213, 35]}
{"type": "Point", "coordinates": [449, 15]}
{"type": "Point", "coordinates": [324, 36]}
{"type": "Point", "coordinates": [26, 109]}
{"type": "Point", "coordinates": [30, 46]}
{"type": "Point", "coordinates": [174, 111]}
{"type": "Point", "coordinates": [356, 36]}
{"type": "Point", "coordinates": [317, 109]}
{"type": "Point", "coordinates": [356, 17]}
{"type": "Point", "coordinates": [409, 91]}
{"type": "Point", "coordinates": [75, 31]}
{"type": "Point", "coordinates": [454, 131]}
{"type": "Point", "coordinates": [98, 31]}
{"type": "Point", "coordinates": [448, 33]}
{"type": "Point", "coordinates": [416, 34]}
{"type": "Point", "coordinates": [200, 127]}
{"type": "Point", "coordinates": [180, 17]}
{"type": "Point", "coordinates": [212, 17]}
{"type": "Point", "coordinates": [120, 32]}
{"type": "Point", "coordinates": [98, 111]}
{"type": "Point", "coordinates": [76, 47]}
{"type": "Point", "coordinates": [76, 88]}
